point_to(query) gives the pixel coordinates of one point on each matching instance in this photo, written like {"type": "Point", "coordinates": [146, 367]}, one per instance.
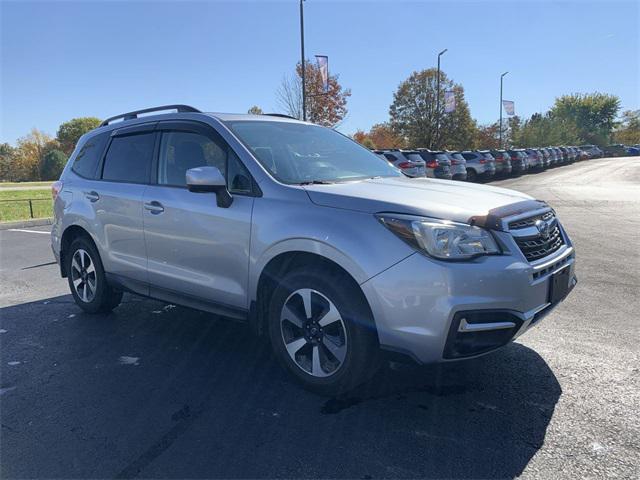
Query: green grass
{"type": "Point", "coordinates": [25, 184]}
{"type": "Point", "coordinates": [11, 211]}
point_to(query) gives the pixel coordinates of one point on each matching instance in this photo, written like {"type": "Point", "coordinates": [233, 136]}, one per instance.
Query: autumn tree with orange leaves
{"type": "Point", "coordinates": [324, 108]}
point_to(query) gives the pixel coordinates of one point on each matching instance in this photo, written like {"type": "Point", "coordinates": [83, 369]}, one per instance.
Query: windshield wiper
{"type": "Point", "coordinates": [316, 182]}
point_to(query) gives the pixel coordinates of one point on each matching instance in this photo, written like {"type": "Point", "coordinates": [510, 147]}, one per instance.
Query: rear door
{"type": "Point", "coordinates": [125, 172]}
{"type": "Point", "coordinates": [197, 250]}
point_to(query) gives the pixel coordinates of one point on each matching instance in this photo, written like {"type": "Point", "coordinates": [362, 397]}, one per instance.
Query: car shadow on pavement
{"type": "Point", "coordinates": [156, 391]}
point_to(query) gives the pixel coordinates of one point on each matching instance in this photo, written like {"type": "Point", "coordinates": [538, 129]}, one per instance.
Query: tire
{"type": "Point", "coordinates": [339, 333]}
{"type": "Point", "coordinates": [472, 176]}
{"type": "Point", "coordinates": [87, 281]}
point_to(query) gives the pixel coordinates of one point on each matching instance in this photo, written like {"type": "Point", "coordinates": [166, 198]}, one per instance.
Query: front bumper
{"type": "Point", "coordinates": [416, 302]}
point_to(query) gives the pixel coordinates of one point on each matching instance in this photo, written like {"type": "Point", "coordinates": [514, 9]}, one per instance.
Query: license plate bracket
{"type": "Point", "coordinates": [559, 285]}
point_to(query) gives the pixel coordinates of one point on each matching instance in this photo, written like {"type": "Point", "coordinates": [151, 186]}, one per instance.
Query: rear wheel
{"type": "Point", "coordinates": [472, 176]}
{"type": "Point", "coordinates": [87, 280]}
{"type": "Point", "coordinates": [321, 333]}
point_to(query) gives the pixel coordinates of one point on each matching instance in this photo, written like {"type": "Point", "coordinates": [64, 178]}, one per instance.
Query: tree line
{"type": "Point", "coordinates": [416, 119]}
{"type": "Point", "coordinates": [39, 156]}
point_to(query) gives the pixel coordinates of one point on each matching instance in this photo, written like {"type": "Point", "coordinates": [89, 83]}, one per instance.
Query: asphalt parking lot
{"type": "Point", "coordinates": [157, 391]}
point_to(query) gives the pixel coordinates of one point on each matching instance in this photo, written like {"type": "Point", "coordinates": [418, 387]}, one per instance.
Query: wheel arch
{"type": "Point", "coordinates": [68, 236]}
{"type": "Point", "coordinates": [279, 265]}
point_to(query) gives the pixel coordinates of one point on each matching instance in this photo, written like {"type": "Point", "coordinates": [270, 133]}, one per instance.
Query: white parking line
{"type": "Point", "coordinates": [27, 231]}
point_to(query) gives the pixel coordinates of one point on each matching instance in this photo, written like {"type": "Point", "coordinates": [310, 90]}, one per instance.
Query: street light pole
{"type": "Point", "coordinates": [501, 77]}
{"type": "Point", "coordinates": [438, 100]}
{"type": "Point", "coordinates": [304, 93]}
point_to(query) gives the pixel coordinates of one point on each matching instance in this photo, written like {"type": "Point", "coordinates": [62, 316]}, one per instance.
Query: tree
{"type": "Point", "coordinates": [383, 136]}
{"type": "Point", "coordinates": [7, 159]}
{"type": "Point", "coordinates": [488, 136]}
{"type": "Point", "coordinates": [324, 108]}
{"type": "Point", "coordinates": [70, 132]}
{"type": "Point", "coordinates": [255, 110]}
{"type": "Point", "coordinates": [458, 131]}
{"type": "Point", "coordinates": [30, 152]}
{"type": "Point", "coordinates": [628, 130]}
{"type": "Point", "coordinates": [548, 129]}
{"type": "Point", "coordinates": [52, 164]}
{"type": "Point", "coordinates": [592, 114]}
{"type": "Point", "coordinates": [364, 139]}
{"type": "Point", "coordinates": [414, 117]}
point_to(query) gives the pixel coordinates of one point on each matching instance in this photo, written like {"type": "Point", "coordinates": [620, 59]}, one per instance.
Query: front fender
{"type": "Point", "coordinates": [354, 240]}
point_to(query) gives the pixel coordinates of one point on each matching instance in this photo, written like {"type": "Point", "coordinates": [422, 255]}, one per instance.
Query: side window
{"type": "Point", "coordinates": [129, 158]}
{"type": "Point", "coordinates": [180, 151]}
{"type": "Point", "coordinates": [238, 179]}
{"type": "Point", "coordinates": [87, 159]}
{"type": "Point", "coordinates": [468, 156]}
{"type": "Point", "coordinates": [390, 157]}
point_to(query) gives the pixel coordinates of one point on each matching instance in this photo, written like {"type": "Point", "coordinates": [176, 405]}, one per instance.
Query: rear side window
{"type": "Point", "coordinates": [390, 157]}
{"type": "Point", "coordinates": [86, 162]}
{"type": "Point", "coordinates": [129, 158]}
{"type": "Point", "coordinates": [468, 156]}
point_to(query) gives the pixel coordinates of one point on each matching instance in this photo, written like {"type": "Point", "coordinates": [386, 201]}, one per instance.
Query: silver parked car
{"type": "Point", "coordinates": [409, 162]}
{"type": "Point", "coordinates": [315, 241]}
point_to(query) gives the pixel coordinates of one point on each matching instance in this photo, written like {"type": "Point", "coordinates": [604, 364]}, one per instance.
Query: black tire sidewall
{"type": "Point", "coordinates": [360, 331]}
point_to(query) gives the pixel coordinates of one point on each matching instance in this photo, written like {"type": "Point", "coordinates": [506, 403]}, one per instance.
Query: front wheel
{"type": "Point", "coordinates": [87, 280]}
{"type": "Point", "coordinates": [321, 332]}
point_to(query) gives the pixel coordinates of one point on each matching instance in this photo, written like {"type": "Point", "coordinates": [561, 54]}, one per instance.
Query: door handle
{"type": "Point", "coordinates": [92, 196]}
{"type": "Point", "coordinates": [154, 207]}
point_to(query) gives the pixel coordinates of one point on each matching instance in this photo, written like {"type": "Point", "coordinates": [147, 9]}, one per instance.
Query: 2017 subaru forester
{"type": "Point", "coordinates": [317, 242]}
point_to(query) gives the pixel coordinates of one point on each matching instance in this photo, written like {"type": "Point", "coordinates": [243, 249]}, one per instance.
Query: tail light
{"type": "Point", "coordinates": [432, 164]}
{"type": "Point", "coordinates": [454, 161]}
{"type": "Point", "coordinates": [406, 165]}
{"type": "Point", "coordinates": [482, 160]}
{"type": "Point", "coordinates": [56, 188]}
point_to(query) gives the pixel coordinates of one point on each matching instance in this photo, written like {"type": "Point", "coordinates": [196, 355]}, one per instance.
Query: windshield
{"type": "Point", "coordinates": [297, 153]}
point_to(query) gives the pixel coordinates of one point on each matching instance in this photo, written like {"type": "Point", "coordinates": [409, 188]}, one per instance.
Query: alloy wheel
{"type": "Point", "coordinates": [83, 275]}
{"type": "Point", "coordinates": [313, 332]}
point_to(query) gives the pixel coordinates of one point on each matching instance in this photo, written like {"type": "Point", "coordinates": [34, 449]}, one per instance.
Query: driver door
{"type": "Point", "coordinates": [197, 252]}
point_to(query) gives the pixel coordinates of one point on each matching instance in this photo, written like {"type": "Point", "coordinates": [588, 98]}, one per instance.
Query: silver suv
{"type": "Point", "coordinates": [313, 240]}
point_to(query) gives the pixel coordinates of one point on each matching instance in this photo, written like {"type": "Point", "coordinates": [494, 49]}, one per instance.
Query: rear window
{"type": "Point", "coordinates": [414, 157]}
{"type": "Point", "coordinates": [129, 158]}
{"type": "Point", "coordinates": [442, 156]}
{"type": "Point", "coordinates": [427, 156]}
{"type": "Point", "coordinates": [87, 159]}
{"type": "Point", "coordinates": [488, 156]}
{"type": "Point", "coordinates": [457, 156]}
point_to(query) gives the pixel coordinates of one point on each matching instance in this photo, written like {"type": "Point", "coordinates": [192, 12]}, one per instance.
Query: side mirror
{"type": "Point", "coordinates": [209, 179]}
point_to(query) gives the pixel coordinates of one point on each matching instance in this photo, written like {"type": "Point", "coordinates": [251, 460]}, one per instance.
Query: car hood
{"type": "Point", "coordinates": [444, 199]}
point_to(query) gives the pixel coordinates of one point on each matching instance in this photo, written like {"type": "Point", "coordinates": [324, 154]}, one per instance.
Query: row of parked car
{"type": "Point", "coordinates": [473, 165]}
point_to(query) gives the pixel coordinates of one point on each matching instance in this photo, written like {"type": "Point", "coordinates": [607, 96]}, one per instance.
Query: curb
{"type": "Point", "coordinates": [36, 222]}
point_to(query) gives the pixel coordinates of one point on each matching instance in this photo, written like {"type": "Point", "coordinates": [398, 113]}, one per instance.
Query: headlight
{"type": "Point", "coordinates": [441, 239]}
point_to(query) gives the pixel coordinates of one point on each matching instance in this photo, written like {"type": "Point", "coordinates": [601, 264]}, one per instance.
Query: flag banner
{"type": "Point", "coordinates": [323, 65]}
{"type": "Point", "coordinates": [509, 107]}
{"type": "Point", "coordinates": [449, 101]}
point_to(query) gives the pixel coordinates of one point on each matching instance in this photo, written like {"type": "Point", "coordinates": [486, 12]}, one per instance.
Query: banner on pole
{"type": "Point", "coordinates": [323, 65]}
{"type": "Point", "coordinates": [449, 101]}
{"type": "Point", "coordinates": [509, 107]}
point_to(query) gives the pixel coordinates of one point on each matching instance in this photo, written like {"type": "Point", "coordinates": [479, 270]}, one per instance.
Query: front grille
{"type": "Point", "coordinates": [538, 247]}
{"type": "Point", "coordinates": [531, 221]}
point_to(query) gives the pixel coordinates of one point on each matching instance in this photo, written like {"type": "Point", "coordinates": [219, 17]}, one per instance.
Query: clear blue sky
{"type": "Point", "coordinates": [65, 59]}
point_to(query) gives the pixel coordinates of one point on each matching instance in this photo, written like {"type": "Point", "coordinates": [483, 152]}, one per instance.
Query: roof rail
{"type": "Point", "coordinates": [281, 115]}
{"type": "Point", "coordinates": [134, 114]}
